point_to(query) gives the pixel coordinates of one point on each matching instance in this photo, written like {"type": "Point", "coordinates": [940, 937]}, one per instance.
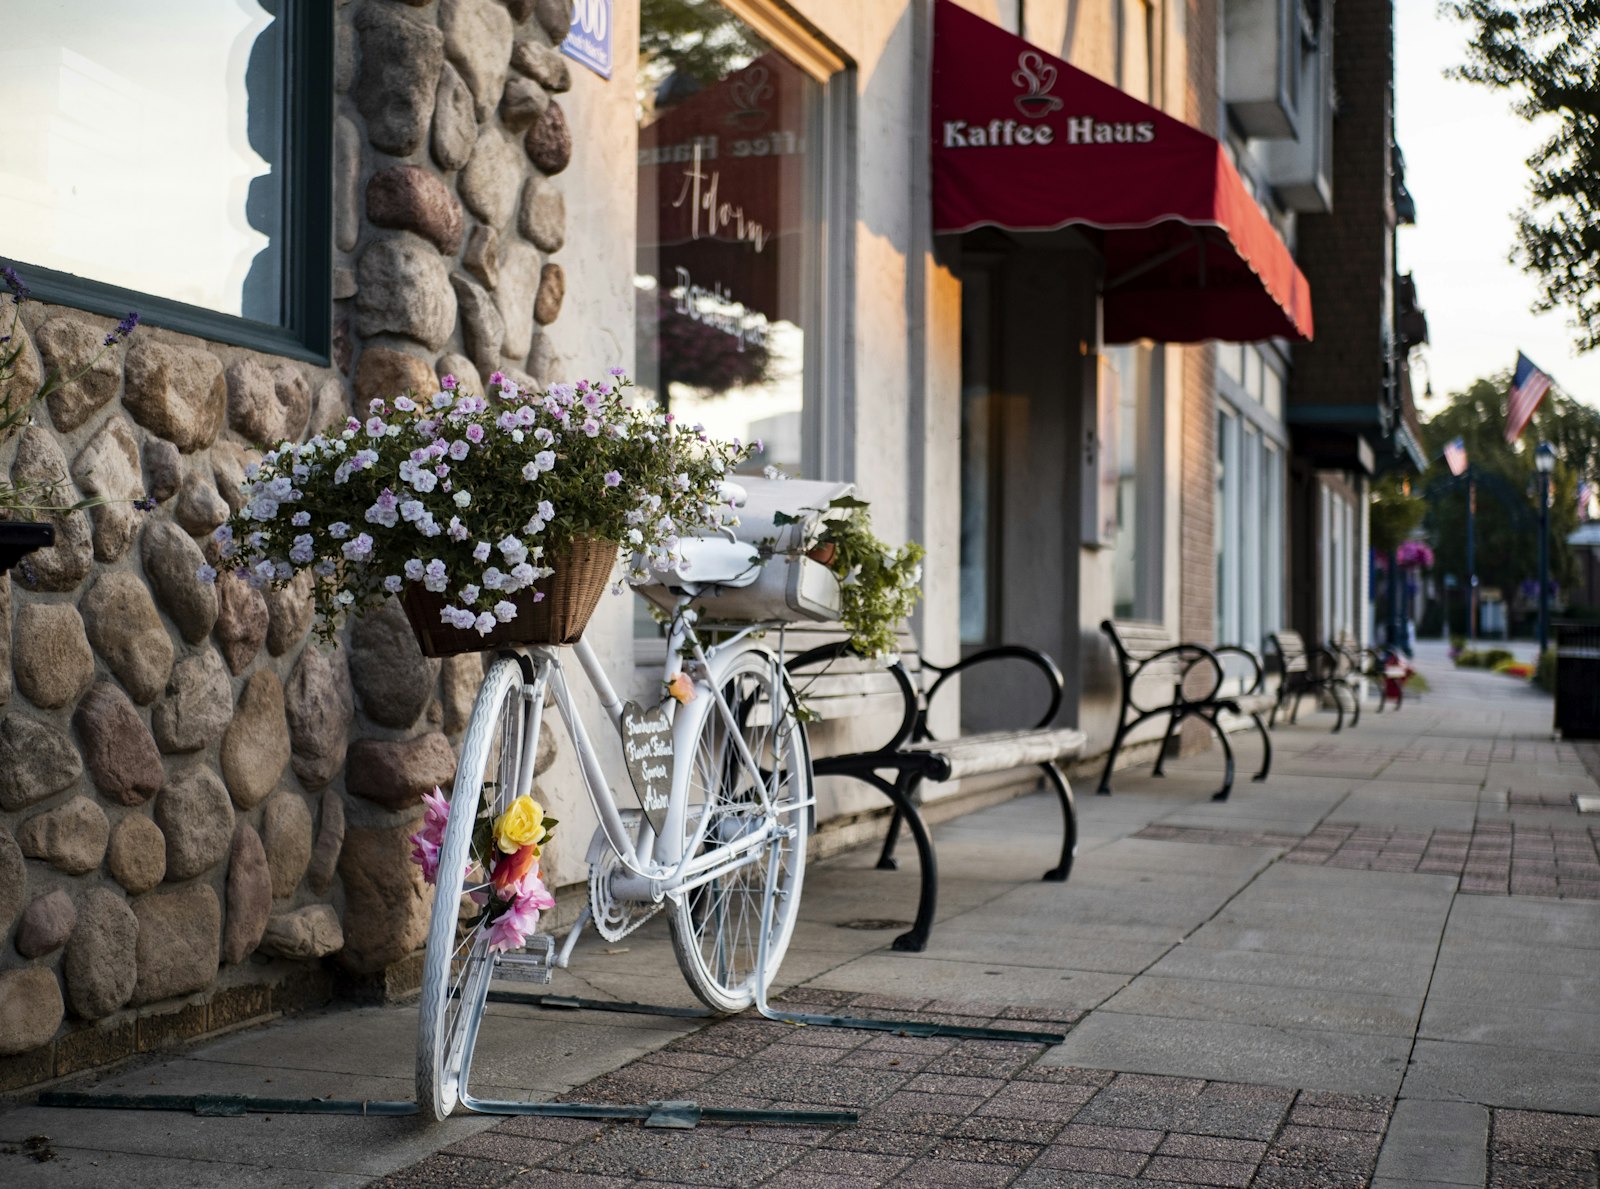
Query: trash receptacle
{"type": "Point", "coordinates": [1578, 680]}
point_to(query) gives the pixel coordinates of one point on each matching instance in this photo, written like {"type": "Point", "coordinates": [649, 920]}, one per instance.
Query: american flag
{"type": "Point", "coordinates": [1528, 387]}
{"type": "Point", "coordinates": [1455, 456]}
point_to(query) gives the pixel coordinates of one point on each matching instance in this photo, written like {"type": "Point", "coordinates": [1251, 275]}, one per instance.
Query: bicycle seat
{"type": "Point", "coordinates": [713, 561]}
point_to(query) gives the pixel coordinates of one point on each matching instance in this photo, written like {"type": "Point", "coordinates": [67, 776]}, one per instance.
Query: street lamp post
{"type": "Point", "coordinates": [1544, 461]}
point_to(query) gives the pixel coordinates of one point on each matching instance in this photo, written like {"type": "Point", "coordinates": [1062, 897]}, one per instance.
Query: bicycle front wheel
{"type": "Point", "coordinates": [457, 964]}
{"type": "Point", "coordinates": [716, 927]}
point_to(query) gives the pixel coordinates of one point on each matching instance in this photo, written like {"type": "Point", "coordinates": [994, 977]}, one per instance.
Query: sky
{"type": "Point", "coordinates": [1466, 165]}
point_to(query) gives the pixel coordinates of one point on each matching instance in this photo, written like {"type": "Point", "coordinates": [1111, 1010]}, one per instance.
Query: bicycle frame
{"type": "Point", "coordinates": [656, 868]}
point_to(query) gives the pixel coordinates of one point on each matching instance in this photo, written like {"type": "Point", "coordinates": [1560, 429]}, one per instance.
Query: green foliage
{"type": "Point", "coordinates": [1489, 658]}
{"type": "Point", "coordinates": [879, 586]}
{"type": "Point", "coordinates": [1396, 511]}
{"type": "Point", "coordinates": [1508, 508]}
{"type": "Point", "coordinates": [1547, 52]}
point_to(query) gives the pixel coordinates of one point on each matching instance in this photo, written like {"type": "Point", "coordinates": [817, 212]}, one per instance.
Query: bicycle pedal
{"type": "Point", "coordinates": [534, 963]}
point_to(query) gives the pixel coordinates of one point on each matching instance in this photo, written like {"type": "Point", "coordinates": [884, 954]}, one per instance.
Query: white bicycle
{"type": "Point", "coordinates": [722, 849]}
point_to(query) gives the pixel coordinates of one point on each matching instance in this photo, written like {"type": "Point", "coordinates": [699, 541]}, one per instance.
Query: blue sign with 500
{"type": "Point", "coordinates": [589, 39]}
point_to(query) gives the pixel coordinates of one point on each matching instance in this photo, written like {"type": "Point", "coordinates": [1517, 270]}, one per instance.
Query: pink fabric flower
{"type": "Point", "coordinates": [427, 841]}
{"type": "Point", "coordinates": [522, 917]}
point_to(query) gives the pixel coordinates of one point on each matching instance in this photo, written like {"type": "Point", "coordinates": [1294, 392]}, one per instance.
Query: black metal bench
{"type": "Point", "coordinates": [1308, 669]}
{"type": "Point", "coordinates": [912, 755]}
{"type": "Point", "coordinates": [1193, 679]}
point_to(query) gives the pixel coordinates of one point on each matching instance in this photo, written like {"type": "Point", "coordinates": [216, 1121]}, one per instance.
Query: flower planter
{"type": "Point", "coordinates": [582, 572]}
{"type": "Point", "coordinates": [20, 538]}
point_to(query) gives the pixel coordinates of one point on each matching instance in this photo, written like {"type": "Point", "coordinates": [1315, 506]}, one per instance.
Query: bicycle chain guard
{"type": "Point", "coordinates": [614, 918]}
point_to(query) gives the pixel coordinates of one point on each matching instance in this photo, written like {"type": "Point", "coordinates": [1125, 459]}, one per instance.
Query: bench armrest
{"type": "Point", "coordinates": [1005, 652]}
{"type": "Point", "coordinates": [1255, 663]}
{"type": "Point", "coordinates": [1188, 655]}
{"type": "Point", "coordinates": [827, 654]}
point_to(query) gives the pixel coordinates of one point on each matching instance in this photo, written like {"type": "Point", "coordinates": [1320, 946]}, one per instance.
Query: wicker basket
{"type": "Point", "coordinates": [582, 572]}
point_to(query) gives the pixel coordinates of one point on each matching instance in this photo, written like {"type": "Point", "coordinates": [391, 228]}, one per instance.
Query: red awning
{"type": "Point", "coordinates": [1024, 142]}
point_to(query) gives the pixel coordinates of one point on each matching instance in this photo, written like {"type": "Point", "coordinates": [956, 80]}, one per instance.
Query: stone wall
{"type": "Point", "coordinates": [203, 816]}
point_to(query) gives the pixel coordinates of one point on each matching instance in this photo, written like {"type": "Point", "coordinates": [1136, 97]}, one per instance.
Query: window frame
{"type": "Point", "coordinates": [306, 332]}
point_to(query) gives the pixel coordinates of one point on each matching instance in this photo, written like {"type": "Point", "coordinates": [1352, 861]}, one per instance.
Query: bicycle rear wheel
{"type": "Point", "coordinates": [457, 964]}
{"type": "Point", "coordinates": [716, 927]}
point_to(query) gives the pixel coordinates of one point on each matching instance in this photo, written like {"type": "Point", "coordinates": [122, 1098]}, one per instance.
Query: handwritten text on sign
{"type": "Point", "coordinates": [647, 748]}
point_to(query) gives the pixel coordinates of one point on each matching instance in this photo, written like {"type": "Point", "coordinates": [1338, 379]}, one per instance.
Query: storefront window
{"type": "Point", "coordinates": [980, 504]}
{"type": "Point", "coordinates": [1136, 564]}
{"type": "Point", "coordinates": [150, 152]}
{"type": "Point", "coordinates": [730, 160]}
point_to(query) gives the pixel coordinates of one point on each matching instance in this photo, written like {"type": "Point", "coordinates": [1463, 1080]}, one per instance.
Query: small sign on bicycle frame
{"type": "Point", "coordinates": [647, 748]}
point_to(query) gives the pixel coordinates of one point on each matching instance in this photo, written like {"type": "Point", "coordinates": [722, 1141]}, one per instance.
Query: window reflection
{"type": "Point", "coordinates": [145, 147]}
{"type": "Point", "coordinates": [726, 234]}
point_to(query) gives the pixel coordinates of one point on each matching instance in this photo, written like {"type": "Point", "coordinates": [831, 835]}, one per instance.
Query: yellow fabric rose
{"type": "Point", "coordinates": [520, 825]}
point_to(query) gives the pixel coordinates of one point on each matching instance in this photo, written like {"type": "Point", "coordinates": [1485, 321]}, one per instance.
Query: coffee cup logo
{"type": "Point", "coordinates": [1035, 76]}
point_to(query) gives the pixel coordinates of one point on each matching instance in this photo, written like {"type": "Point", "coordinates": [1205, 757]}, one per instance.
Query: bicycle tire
{"type": "Point", "coordinates": [456, 964]}
{"type": "Point", "coordinates": [716, 927]}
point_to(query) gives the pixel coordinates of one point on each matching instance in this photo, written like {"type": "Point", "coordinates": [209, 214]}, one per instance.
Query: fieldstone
{"type": "Point", "coordinates": [344, 283]}
{"type": "Point", "coordinates": [228, 464]}
{"type": "Point", "coordinates": [66, 345]}
{"type": "Point", "coordinates": [66, 563]}
{"type": "Point", "coordinates": [477, 40]}
{"type": "Point", "coordinates": [163, 469]}
{"type": "Point", "coordinates": [523, 103]}
{"type": "Point", "coordinates": [200, 507]}
{"type": "Point", "coordinates": [320, 707]}
{"type": "Point", "coordinates": [520, 10]}
{"type": "Point", "coordinates": [392, 677]}
{"type": "Point", "coordinates": [241, 621]}
{"type": "Point", "coordinates": [196, 819]}
{"type": "Point", "coordinates": [519, 282]}
{"type": "Point", "coordinates": [255, 747]}
{"type": "Point", "coordinates": [197, 706]}
{"type": "Point", "coordinates": [460, 678]}
{"type": "Point", "coordinates": [411, 198]}
{"type": "Point", "coordinates": [178, 946]}
{"type": "Point", "coordinates": [343, 342]}
{"type": "Point", "coordinates": [249, 895]}
{"type": "Point", "coordinates": [330, 408]}
{"type": "Point", "coordinates": [176, 392]}
{"type": "Point", "coordinates": [482, 328]}
{"type": "Point", "coordinates": [137, 857]}
{"type": "Point", "coordinates": [330, 842]}
{"type": "Point", "coordinates": [555, 18]}
{"type": "Point", "coordinates": [465, 373]}
{"type": "Point", "coordinates": [549, 141]}
{"type": "Point", "coordinates": [46, 924]}
{"type": "Point", "coordinates": [383, 374]}
{"type": "Point", "coordinates": [545, 755]}
{"type": "Point", "coordinates": [304, 935]}
{"type": "Point", "coordinates": [385, 901]}
{"type": "Point", "coordinates": [13, 879]}
{"type": "Point", "coordinates": [30, 1009]}
{"type": "Point", "coordinates": [25, 372]}
{"type": "Point", "coordinates": [344, 58]}
{"type": "Point", "coordinates": [552, 291]}
{"type": "Point", "coordinates": [254, 411]}
{"type": "Point", "coordinates": [543, 216]}
{"type": "Point", "coordinates": [72, 837]}
{"type": "Point", "coordinates": [5, 639]}
{"type": "Point", "coordinates": [543, 359]}
{"type": "Point", "coordinates": [101, 959]}
{"type": "Point", "coordinates": [489, 182]}
{"type": "Point", "coordinates": [286, 832]}
{"type": "Point", "coordinates": [293, 393]}
{"type": "Point", "coordinates": [400, 62]}
{"type": "Point", "coordinates": [52, 658]}
{"type": "Point", "coordinates": [455, 121]}
{"type": "Point", "coordinates": [543, 64]}
{"type": "Point", "coordinates": [108, 468]}
{"type": "Point", "coordinates": [289, 613]}
{"type": "Point", "coordinates": [123, 625]}
{"type": "Point", "coordinates": [405, 290]}
{"type": "Point", "coordinates": [395, 774]}
{"type": "Point", "coordinates": [346, 184]}
{"type": "Point", "coordinates": [482, 257]}
{"type": "Point", "coordinates": [36, 761]}
{"type": "Point", "coordinates": [117, 748]}
{"type": "Point", "coordinates": [172, 563]}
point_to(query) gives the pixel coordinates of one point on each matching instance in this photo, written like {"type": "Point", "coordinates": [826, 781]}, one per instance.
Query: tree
{"type": "Point", "coordinates": [1507, 485]}
{"type": "Point", "coordinates": [1548, 53]}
